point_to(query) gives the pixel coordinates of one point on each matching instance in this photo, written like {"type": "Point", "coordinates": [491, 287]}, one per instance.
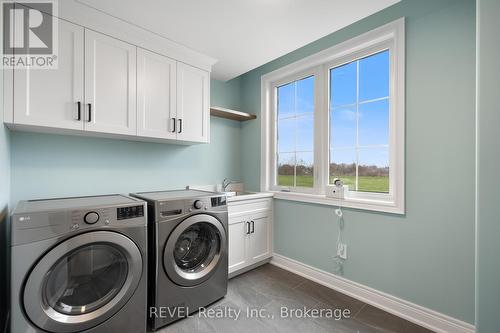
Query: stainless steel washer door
{"type": "Point", "coordinates": [193, 250]}
{"type": "Point", "coordinates": [82, 282]}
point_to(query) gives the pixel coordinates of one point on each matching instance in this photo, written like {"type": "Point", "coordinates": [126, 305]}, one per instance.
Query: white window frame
{"type": "Point", "coordinates": [388, 37]}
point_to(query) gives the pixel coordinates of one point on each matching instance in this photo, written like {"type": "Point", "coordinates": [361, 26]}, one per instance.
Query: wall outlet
{"type": "Point", "coordinates": [342, 250]}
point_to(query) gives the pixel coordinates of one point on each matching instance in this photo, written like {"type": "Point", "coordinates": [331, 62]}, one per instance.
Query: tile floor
{"type": "Point", "coordinates": [271, 289]}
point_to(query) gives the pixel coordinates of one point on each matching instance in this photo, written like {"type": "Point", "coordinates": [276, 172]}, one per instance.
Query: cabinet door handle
{"type": "Point", "coordinates": [79, 110]}
{"type": "Point", "coordinates": [89, 119]}
{"type": "Point", "coordinates": [248, 227]}
{"type": "Point", "coordinates": [253, 227]}
{"type": "Point", "coordinates": [180, 125]}
{"type": "Point", "coordinates": [175, 123]}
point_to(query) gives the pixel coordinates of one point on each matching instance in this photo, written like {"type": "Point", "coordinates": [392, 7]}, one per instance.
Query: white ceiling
{"type": "Point", "coordinates": [241, 35]}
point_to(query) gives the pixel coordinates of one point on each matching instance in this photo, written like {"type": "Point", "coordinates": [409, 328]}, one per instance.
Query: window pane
{"type": "Point", "coordinates": [305, 127]}
{"type": "Point", "coordinates": [286, 135]}
{"type": "Point", "coordinates": [373, 170]}
{"type": "Point", "coordinates": [286, 169]}
{"type": "Point", "coordinates": [305, 95]}
{"type": "Point", "coordinates": [374, 76]}
{"type": "Point", "coordinates": [304, 170]}
{"type": "Point", "coordinates": [286, 100]}
{"type": "Point", "coordinates": [295, 133]}
{"type": "Point", "coordinates": [374, 123]}
{"type": "Point", "coordinates": [359, 132]}
{"type": "Point", "coordinates": [343, 85]}
{"type": "Point", "coordinates": [343, 166]}
{"type": "Point", "coordinates": [343, 127]}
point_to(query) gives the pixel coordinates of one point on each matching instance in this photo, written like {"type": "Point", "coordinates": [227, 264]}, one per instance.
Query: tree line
{"type": "Point", "coordinates": [341, 169]}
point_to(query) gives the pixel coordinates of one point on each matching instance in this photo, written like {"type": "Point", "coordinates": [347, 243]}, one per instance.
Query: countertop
{"type": "Point", "coordinates": [249, 196]}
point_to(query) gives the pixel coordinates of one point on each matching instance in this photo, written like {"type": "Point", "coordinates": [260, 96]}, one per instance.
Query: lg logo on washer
{"type": "Point", "coordinates": [30, 34]}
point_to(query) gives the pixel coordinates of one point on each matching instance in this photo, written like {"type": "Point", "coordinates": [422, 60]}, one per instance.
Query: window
{"type": "Point", "coordinates": [338, 114]}
{"type": "Point", "coordinates": [359, 123]}
{"type": "Point", "coordinates": [295, 128]}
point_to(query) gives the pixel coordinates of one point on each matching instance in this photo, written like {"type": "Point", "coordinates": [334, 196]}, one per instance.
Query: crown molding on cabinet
{"type": "Point", "coordinates": [91, 18]}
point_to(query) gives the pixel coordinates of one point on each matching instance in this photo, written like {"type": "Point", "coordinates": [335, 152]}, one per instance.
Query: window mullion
{"type": "Point", "coordinates": [295, 133]}
{"type": "Point", "coordinates": [320, 131]}
{"type": "Point", "coordinates": [357, 125]}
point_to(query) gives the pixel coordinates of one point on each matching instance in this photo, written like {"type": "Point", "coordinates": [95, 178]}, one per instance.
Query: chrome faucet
{"type": "Point", "coordinates": [225, 183]}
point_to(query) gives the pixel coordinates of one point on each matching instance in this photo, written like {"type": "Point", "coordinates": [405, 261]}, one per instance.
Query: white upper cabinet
{"type": "Point", "coordinates": [50, 97]}
{"type": "Point", "coordinates": [192, 103]}
{"type": "Point", "coordinates": [156, 95]}
{"type": "Point", "coordinates": [110, 85]}
{"type": "Point", "coordinates": [104, 86]}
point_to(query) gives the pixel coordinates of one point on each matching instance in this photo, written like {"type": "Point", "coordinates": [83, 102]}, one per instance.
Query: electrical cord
{"type": "Point", "coordinates": [340, 237]}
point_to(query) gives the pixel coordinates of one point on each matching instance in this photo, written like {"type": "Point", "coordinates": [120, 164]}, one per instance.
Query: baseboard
{"type": "Point", "coordinates": [417, 314]}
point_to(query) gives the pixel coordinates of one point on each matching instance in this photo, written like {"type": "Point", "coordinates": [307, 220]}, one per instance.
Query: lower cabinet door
{"type": "Point", "coordinates": [260, 237]}
{"type": "Point", "coordinates": [238, 238]}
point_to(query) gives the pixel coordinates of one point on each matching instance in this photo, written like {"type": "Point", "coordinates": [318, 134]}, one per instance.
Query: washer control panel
{"type": "Point", "coordinates": [44, 224]}
{"type": "Point", "coordinates": [171, 208]}
{"type": "Point", "coordinates": [130, 212]}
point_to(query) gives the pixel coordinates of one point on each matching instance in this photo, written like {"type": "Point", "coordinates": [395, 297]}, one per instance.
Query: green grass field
{"type": "Point", "coordinates": [366, 184]}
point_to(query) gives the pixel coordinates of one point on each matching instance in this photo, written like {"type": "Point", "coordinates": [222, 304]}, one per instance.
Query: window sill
{"type": "Point", "coordinates": [356, 203]}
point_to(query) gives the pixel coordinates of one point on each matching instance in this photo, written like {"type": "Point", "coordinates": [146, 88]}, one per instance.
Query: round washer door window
{"type": "Point", "coordinates": [83, 281]}
{"type": "Point", "coordinates": [86, 279]}
{"type": "Point", "coordinates": [193, 250]}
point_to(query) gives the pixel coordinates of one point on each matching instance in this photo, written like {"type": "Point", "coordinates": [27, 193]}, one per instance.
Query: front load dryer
{"type": "Point", "coordinates": [188, 252]}
{"type": "Point", "coordinates": [79, 265]}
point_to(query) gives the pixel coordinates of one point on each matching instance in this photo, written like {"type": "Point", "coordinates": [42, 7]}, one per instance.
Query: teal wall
{"type": "Point", "coordinates": [4, 205]}
{"type": "Point", "coordinates": [46, 165]}
{"type": "Point", "coordinates": [488, 160]}
{"type": "Point", "coordinates": [4, 219]}
{"type": "Point", "coordinates": [426, 256]}
{"type": "Point", "coordinates": [226, 94]}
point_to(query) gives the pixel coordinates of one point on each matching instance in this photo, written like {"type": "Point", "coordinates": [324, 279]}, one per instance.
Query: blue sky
{"type": "Point", "coordinates": [296, 105]}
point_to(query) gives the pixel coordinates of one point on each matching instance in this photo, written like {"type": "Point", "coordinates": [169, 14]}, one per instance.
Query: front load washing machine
{"type": "Point", "coordinates": [79, 264]}
{"type": "Point", "coordinates": [188, 252]}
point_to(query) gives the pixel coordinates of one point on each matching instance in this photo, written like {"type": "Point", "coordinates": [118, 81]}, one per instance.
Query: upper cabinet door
{"type": "Point", "coordinates": [49, 97]}
{"type": "Point", "coordinates": [192, 104]}
{"type": "Point", "coordinates": [110, 85]}
{"type": "Point", "coordinates": [156, 95]}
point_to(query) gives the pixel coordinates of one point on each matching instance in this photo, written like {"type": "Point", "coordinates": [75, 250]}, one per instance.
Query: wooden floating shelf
{"type": "Point", "coordinates": [231, 114]}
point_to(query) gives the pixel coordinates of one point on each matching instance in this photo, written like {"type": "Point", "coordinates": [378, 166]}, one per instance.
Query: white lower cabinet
{"type": "Point", "coordinates": [237, 243]}
{"type": "Point", "coordinates": [260, 242]}
{"type": "Point", "coordinates": [250, 233]}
